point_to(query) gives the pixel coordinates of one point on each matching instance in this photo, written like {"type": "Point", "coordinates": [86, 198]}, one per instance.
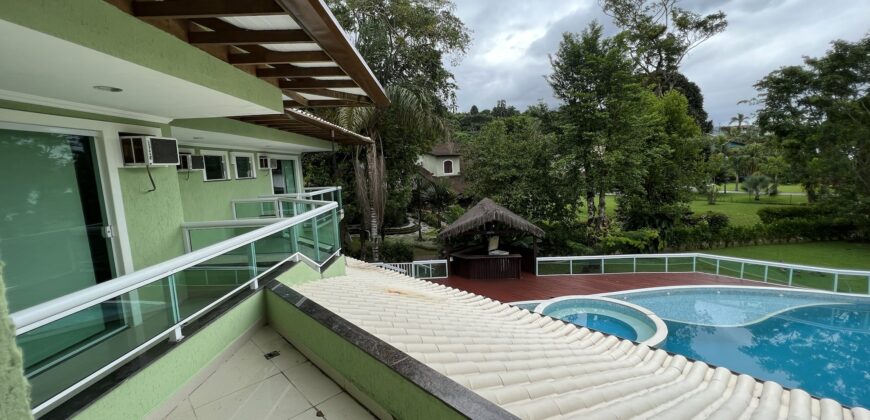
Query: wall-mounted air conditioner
{"type": "Point", "coordinates": [190, 162]}
{"type": "Point", "coordinates": [149, 151]}
{"type": "Point", "coordinates": [265, 162]}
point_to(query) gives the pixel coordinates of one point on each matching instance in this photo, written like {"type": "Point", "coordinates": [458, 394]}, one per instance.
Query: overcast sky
{"type": "Point", "coordinates": [512, 39]}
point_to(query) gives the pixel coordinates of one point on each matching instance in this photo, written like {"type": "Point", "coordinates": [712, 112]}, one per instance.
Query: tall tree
{"type": "Point", "coordinates": [514, 163]}
{"type": "Point", "coordinates": [820, 113]}
{"type": "Point", "coordinates": [406, 41]}
{"type": "Point", "coordinates": [602, 114]}
{"type": "Point", "coordinates": [696, 101]}
{"type": "Point", "coordinates": [407, 110]}
{"type": "Point", "coordinates": [659, 34]}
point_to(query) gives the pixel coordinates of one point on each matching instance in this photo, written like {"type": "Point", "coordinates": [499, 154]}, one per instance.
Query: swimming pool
{"type": "Point", "coordinates": [819, 342]}
{"type": "Point", "coordinates": [611, 316]}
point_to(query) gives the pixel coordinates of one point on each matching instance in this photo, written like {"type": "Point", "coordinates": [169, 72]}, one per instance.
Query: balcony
{"type": "Point", "coordinates": [72, 342]}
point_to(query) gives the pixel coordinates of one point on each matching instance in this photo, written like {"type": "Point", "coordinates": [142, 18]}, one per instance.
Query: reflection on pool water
{"type": "Point", "coordinates": [814, 341]}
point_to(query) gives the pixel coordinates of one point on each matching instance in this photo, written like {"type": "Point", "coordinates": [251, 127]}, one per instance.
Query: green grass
{"type": "Point", "coordinates": [846, 255]}
{"type": "Point", "coordinates": [790, 188]}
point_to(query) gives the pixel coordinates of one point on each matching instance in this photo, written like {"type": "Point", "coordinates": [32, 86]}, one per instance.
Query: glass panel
{"type": "Point", "coordinates": [273, 249]}
{"type": "Point", "coordinates": [853, 284]}
{"type": "Point", "coordinates": [243, 167]}
{"type": "Point", "coordinates": [650, 265]}
{"type": "Point", "coordinates": [438, 270]}
{"type": "Point", "coordinates": [305, 239]}
{"type": "Point", "coordinates": [326, 237]}
{"type": "Point", "coordinates": [753, 272]}
{"type": "Point", "coordinates": [202, 284]}
{"type": "Point", "coordinates": [777, 275]}
{"type": "Point", "coordinates": [51, 217]}
{"type": "Point", "coordinates": [288, 170]}
{"type": "Point", "coordinates": [619, 265]}
{"type": "Point", "coordinates": [586, 266]}
{"type": "Point", "coordinates": [121, 324]}
{"type": "Point", "coordinates": [554, 267]}
{"type": "Point", "coordinates": [255, 209]}
{"type": "Point", "coordinates": [813, 279]}
{"type": "Point", "coordinates": [705, 265]}
{"type": "Point", "coordinates": [680, 264]}
{"type": "Point", "coordinates": [201, 238]}
{"type": "Point", "coordinates": [729, 268]}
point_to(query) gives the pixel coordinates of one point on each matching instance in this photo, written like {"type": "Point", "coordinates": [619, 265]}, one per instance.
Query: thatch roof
{"type": "Point", "coordinates": [487, 211]}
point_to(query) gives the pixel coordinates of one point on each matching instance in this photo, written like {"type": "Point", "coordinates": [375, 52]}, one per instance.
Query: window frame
{"type": "Point", "coordinates": [444, 167]}
{"type": "Point", "coordinates": [224, 159]}
{"type": "Point", "coordinates": [253, 164]}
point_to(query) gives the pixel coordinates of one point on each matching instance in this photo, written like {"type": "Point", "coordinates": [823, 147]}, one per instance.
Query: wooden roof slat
{"type": "Point", "coordinates": [324, 103]}
{"type": "Point", "coordinates": [308, 83]}
{"type": "Point", "coordinates": [271, 57]}
{"type": "Point", "coordinates": [246, 37]}
{"type": "Point", "coordinates": [293, 71]}
{"type": "Point", "coordinates": [338, 95]}
{"type": "Point", "coordinates": [186, 9]}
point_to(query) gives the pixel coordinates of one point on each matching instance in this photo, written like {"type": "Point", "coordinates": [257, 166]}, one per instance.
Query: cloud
{"type": "Point", "coordinates": [512, 40]}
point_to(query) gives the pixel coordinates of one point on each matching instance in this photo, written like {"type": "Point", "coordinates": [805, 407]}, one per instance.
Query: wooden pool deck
{"type": "Point", "coordinates": [531, 287]}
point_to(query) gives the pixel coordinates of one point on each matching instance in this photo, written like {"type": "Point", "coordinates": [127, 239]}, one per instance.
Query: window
{"type": "Point", "coordinates": [185, 156]}
{"type": "Point", "coordinates": [448, 166]}
{"type": "Point", "coordinates": [244, 164]}
{"type": "Point", "coordinates": [264, 161]}
{"type": "Point", "coordinates": [215, 166]}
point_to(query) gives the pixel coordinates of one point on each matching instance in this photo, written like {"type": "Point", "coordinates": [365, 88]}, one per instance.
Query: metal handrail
{"type": "Point", "coordinates": [36, 316]}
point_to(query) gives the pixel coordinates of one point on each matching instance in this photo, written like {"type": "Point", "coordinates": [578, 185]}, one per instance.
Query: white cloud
{"type": "Point", "coordinates": [508, 58]}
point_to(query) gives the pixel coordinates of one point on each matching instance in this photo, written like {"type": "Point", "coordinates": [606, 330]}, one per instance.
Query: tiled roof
{"type": "Point", "coordinates": [445, 149]}
{"type": "Point", "coordinates": [540, 368]}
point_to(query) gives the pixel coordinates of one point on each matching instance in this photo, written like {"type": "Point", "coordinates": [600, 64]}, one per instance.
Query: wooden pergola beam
{"type": "Point", "coordinates": [246, 37]}
{"type": "Point", "coordinates": [337, 95]}
{"type": "Point", "coordinates": [293, 72]}
{"type": "Point", "coordinates": [187, 9]}
{"type": "Point", "coordinates": [273, 57]}
{"type": "Point", "coordinates": [308, 84]}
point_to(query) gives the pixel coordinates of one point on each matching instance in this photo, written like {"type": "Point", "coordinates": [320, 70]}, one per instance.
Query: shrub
{"type": "Point", "coordinates": [452, 213]}
{"type": "Point", "coordinates": [396, 252]}
{"type": "Point", "coordinates": [640, 241]}
{"type": "Point", "coordinates": [770, 214]}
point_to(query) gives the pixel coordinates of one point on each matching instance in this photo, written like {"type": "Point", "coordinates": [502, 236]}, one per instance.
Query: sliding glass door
{"type": "Point", "coordinates": [52, 231]}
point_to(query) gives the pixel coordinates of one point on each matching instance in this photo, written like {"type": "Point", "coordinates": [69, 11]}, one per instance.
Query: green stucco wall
{"type": "Point", "coordinates": [299, 273]}
{"type": "Point", "coordinates": [240, 128]}
{"type": "Point", "coordinates": [395, 394]}
{"type": "Point", "coordinates": [149, 388]}
{"type": "Point", "coordinates": [210, 200]}
{"type": "Point", "coordinates": [98, 25]}
{"type": "Point", "coordinates": [336, 269]}
{"type": "Point", "coordinates": [153, 218]}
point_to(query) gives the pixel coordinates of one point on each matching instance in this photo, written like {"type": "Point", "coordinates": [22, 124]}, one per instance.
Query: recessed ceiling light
{"type": "Point", "coordinates": [108, 88]}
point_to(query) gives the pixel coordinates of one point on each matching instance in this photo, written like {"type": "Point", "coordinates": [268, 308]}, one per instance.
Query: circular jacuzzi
{"type": "Point", "coordinates": [611, 316]}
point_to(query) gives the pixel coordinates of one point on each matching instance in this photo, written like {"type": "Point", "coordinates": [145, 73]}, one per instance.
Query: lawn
{"type": "Point", "coordinates": [847, 255]}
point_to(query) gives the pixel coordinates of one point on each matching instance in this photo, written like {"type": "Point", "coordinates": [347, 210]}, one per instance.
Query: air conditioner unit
{"type": "Point", "coordinates": [149, 151]}
{"type": "Point", "coordinates": [265, 162]}
{"type": "Point", "coordinates": [190, 162]}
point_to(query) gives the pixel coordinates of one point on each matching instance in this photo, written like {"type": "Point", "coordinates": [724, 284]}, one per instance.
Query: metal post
{"type": "Point", "coordinates": [252, 264]}
{"type": "Point", "coordinates": [602, 266]}
{"type": "Point", "coordinates": [570, 266]}
{"type": "Point", "coordinates": [316, 239]}
{"type": "Point", "coordinates": [694, 263]}
{"type": "Point", "coordinates": [765, 272]}
{"type": "Point", "coordinates": [836, 281]}
{"type": "Point", "coordinates": [790, 275]}
{"type": "Point", "coordinates": [634, 264]}
{"type": "Point", "coordinates": [666, 264]}
{"type": "Point", "coordinates": [742, 265]}
{"type": "Point", "coordinates": [717, 267]}
{"type": "Point", "coordinates": [176, 312]}
{"type": "Point", "coordinates": [336, 236]}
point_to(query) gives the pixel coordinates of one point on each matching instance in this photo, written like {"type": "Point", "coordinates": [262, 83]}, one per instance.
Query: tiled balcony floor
{"type": "Point", "coordinates": [248, 386]}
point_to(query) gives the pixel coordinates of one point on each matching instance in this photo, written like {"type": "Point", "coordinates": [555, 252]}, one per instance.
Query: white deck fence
{"type": "Point", "coordinates": [830, 279]}
{"type": "Point", "coordinates": [427, 269]}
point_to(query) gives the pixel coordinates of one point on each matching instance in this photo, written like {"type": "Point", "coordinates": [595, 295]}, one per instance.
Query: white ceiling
{"type": "Point", "coordinates": [52, 68]}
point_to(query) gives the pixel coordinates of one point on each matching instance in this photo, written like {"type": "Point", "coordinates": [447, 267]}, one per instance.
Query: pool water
{"type": "Point", "coordinates": [603, 323]}
{"type": "Point", "coordinates": [817, 342]}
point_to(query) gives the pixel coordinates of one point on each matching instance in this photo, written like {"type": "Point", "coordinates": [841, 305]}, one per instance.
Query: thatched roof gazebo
{"type": "Point", "coordinates": [490, 219]}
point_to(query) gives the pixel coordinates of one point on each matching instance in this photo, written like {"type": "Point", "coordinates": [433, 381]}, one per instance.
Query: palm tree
{"type": "Point", "coordinates": [739, 119]}
{"type": "Point", "coordinates": [406, 109]}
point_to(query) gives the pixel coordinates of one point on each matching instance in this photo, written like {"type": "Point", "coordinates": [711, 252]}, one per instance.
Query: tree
{"type": "Point", "coordinates": [739, 119]}
{"type": "Point", "coordinates": [405, 41]}
{"type": "Point", "coordinates": [602, 115]}
{"type": "Point", "coordinates": [696, 101]}
{"type": "Point", "coordinates": [820, 114]}
{"type": "Point", "coordinates": [502, 110]}
{"type": "Point", "coordinates": [433, 195]}
{"type": "Point", "coordinates": [512, 162]}
{"type": "Point", "coordinates": [407, 110]}
{"type": "Point", "coordinates": [756, 184]}
{"type": "Point", "coordinates": [659, 34]}
{"type": "Point", "coordinates": [670, 168]}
